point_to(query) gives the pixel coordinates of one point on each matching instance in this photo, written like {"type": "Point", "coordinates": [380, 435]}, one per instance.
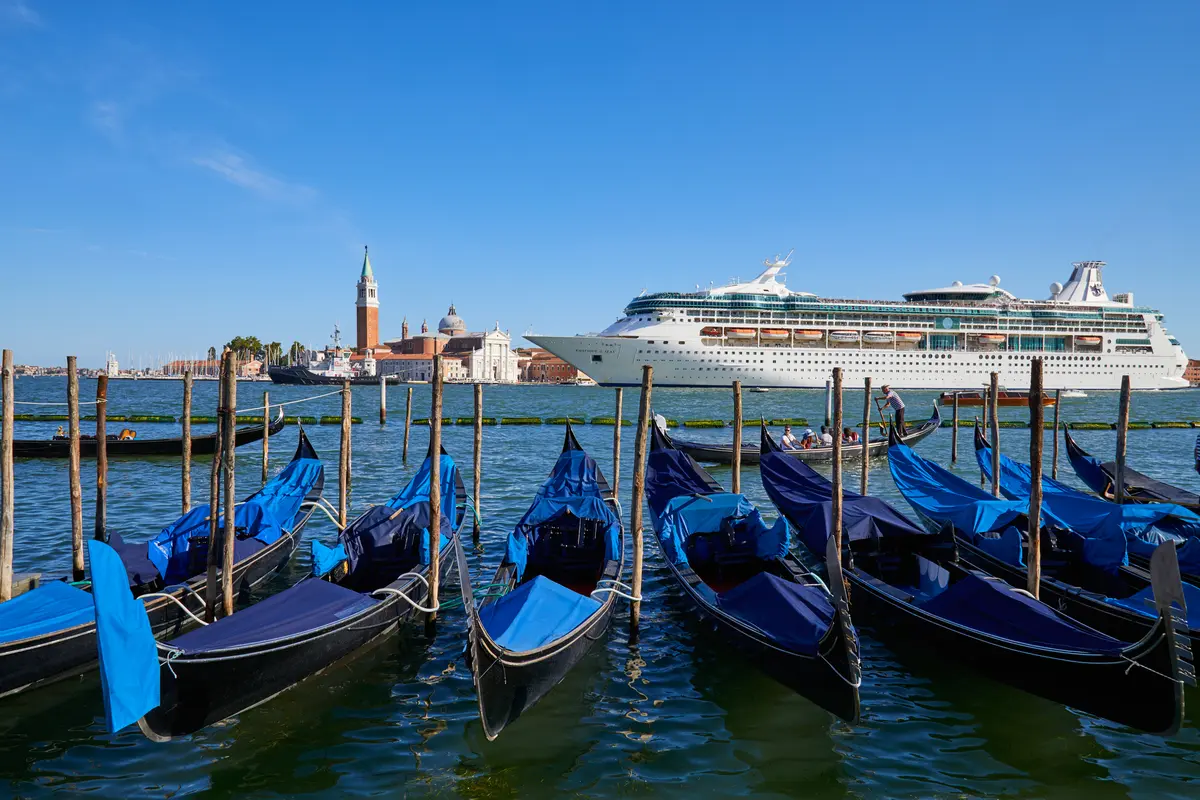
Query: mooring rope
{"type": "Point", "coordinates": [290, 402]}
{"type": "Point", "coordinates": [176, 601]}
{"type": "Point", "coordinates": [38, 403]}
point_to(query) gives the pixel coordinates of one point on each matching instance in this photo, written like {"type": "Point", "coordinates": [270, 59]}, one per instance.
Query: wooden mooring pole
{"type": "Point", "coordinates": [186, 421]}
{"type": "Point", "coordinates": [866, 436]}
{"type": "Point", "coordinates": [6, 478]}
{"type": "Point", "coordinates": [435, 491]}
{"type": "Point", "coordinates": [344, 458]}
{"type": "Point", "coordinates": [639, 492]}
{"type": "Point", "coordinates": [1036, 434]}
{"type": "Point", "coordinates": [736, 464]}
{"type": "Point", "coordinates": [101, 522]}
{"type": "Point", "coordinates": [77, 565]}
{"type": "Point", "coordinates": [994, 408]}
{"type": "Point", "coordinates": [836, 506]}
{"type": "Point", "coordinates": [266, 435]}
{"type": "Point", "coordinates": [954, 433]}
{"type": "Point", "coordinates": [407, 423]}
{"type": "Point", "coordinates": [1122, 435]}
{"type": "Point", "coordinates": [828, 403]}
{"type": "Point", "coordinates": [228, 448]}
{"type": "Point", "coordinates": [214, 505]}
{"type": "Point", "coordinates": [616, 473]}
{"type": "Point", "coordinates": [383, 400]}
{"type": "Point", "coordinates": [1054, 461]}
{"type": "Point", "coordinates": [478, 458]}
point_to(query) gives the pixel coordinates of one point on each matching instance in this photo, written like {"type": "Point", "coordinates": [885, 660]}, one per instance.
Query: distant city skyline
{"type": "Point", "coordinates": [177, 175]}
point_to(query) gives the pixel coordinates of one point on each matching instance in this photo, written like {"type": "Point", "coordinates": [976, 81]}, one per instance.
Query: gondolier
{"type": "Point", "coordinates": [893, 400]}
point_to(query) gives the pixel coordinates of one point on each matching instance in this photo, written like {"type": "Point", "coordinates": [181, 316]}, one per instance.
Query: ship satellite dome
{"type": "Point", "coordinates": [994, 280]}
{"type": "Point", "coordinates": [956, 283]}
{"type": "Point", "coordinates": [1056, 289]}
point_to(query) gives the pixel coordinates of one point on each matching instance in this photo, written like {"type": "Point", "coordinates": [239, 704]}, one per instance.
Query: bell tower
{"type": "Point", "coordinates": [367, 307]}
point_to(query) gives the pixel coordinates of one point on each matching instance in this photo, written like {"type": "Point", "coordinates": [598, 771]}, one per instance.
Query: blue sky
{"type": "Point", "coordinates": [172, 174]}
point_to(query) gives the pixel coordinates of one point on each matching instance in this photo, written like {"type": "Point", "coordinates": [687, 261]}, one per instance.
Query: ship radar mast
{"type": "Point", "coordinates": [337, 337]}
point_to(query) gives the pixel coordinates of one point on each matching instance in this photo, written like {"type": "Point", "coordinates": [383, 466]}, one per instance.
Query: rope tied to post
{"type": "Point", "coordinates": [39, 403]}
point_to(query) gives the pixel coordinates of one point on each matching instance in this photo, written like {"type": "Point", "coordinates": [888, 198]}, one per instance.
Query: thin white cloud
{"type": "Point", "coordinates": [18, 12]}
{"type": "Point", "coordinates": [238, 171]}
{"type": "Point", "coordinates": [106, 116]}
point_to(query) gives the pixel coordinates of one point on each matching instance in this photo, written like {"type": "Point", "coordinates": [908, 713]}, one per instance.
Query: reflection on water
{"type": "Point", "coordinates": [674, 714]}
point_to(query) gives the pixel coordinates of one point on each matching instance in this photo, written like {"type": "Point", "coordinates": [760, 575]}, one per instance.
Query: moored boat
{"type": "Point", "coordinates": [1100, 477]}
{"type": "Point", "coordinates": [1006, 399]}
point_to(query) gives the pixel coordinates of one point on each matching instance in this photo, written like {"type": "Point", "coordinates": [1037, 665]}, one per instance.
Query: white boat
{"type": "Point", "coordinates": [1074, 393]}
{"type": "Point", "coordinates": [1087, 339]}
{"type": "Point", "coordinates": [878, 337]}
{"type": "Point", "coordinates": [775, 334]}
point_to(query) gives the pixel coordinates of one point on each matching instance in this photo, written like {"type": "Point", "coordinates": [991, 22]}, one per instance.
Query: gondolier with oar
{"type": "Point", "coordinates": [893, 400]}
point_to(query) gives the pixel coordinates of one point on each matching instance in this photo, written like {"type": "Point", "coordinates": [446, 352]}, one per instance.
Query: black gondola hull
{"type": "Point", "coordinates": [139, 448]}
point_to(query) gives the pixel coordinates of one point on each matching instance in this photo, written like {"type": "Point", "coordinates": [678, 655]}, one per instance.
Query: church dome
{"type": "Point", "coordinates": [452, 323]}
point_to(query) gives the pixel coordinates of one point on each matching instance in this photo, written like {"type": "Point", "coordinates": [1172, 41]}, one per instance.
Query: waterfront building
{"type": "Point", "coordinates": [1192, 373]}
{"type": "Point", "coordinates": [536, 365]}
{"type": "Point", "coordinates": [111, 368]}
{"type": "Point", "coordinates": [484, 356]}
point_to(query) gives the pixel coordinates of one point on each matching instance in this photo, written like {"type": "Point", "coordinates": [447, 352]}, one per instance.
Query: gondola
{"type": "Point", "coordinates": [1085, 573]}
{"type": "Point", "coordinates": [1100, 477]}
{"type": "Point", "coordinates": [139, 448]}
{"type": "Point", "coordinates": [742, 579]}
{"type": "Point", "coordinates": [908, 585]}
{"type": "Point", "coordinates": [1145, 525]}
{"type": "Point", "coordinates": [553, 595]}
{"type": "Point", "coordinates": [722, 452]}
{"type": "Point", "coordinates": [49, 633]}
{"type": "Point", "coordinates": [364, 588]}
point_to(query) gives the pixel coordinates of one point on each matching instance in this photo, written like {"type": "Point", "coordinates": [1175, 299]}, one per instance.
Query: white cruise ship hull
{"type": "Point", "coordinates": [680, 359]}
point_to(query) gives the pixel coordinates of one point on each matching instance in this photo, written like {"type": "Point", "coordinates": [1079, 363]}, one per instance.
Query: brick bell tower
{"type": "Point", "coordinates": [367, 307]}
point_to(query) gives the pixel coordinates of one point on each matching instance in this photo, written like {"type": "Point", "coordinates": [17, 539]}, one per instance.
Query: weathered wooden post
{"type": "Point", "coordinates": [828, 403]}
{"type": "Point", "coordinates": [954, 433]}
{"type": "Point", "coordinates": [344, 457]}
{"type": "Point", "coordinates": [228, 448]}
{"type": "Point", "coordinates": [6, 477]}
{"type": "Point", "coordinates": [186, 478]}
{"type": "Point", "coordinates": [214, 504]}
{"type": "Point", "coordinates": [266, 434]}
{"type": "Point", "coordinates": [1122, 435]}
{"type": "Point", "coordinates": [1054, 462]}
{"type": "Point", "coordinates": [1036, 433]}
{"type": "Point", "coordinates": [836, 506]}
{"type": "Point", "coordinates": [435, 490]}
{"type": "Point", "coordinates": [101, 457]}
{"type": "Point", "coordinates": [382, 399]}
{"type": "Point", "coordinates": [639, 491]}
{"type": "Point", "coordinates": [478, 456]}
{"type": "Point", "coordinates": [77, 565]}
{"type": "Point", "coordinates": [407, 423]}
{"type": "Point", "coordinates": [866, 436]}
{"type": "Point", "coordinates": [616, 473]}
{"type": "Point", "coordinates": [736, 463]}
{"type": "Point", "coordinates": [994, 403]}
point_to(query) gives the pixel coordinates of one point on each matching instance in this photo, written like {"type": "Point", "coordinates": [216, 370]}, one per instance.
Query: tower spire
{"type": "Point", "coordinates": [366, 270]}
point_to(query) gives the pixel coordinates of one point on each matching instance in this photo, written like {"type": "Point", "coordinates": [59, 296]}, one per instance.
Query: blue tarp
{"type": "Point", "coordinates": [806, 499]}
{"type": "Point", "coordinates": [534, 614]}
{"type": "Point", "coordinates": [793, 616]}
{"type": "Point", "coordinates": [990, 605]}
{"type": "Point", "coordinates": [571, 491]}
{"type": "Point", "coordinates": [417, 491]}
{"type": "Point", "coordinates": [1143, 603]}
{"type": "Point", "coordinates": [687, 515]}
{"type": "Point", "coordinates": [129, 672]}
{"type": "Point", "coordinates": [325, 558]}
{"type": "Point", "coordinates": [307, 606]}
{"type": "Point", "coordinates": [1008, 545]}
{"type": "Point", "coordinates": [938, 494]}
{"type": "Point", "coordinates": [671, 473]}
{"type": "Point", "coordinates": [53, 606]}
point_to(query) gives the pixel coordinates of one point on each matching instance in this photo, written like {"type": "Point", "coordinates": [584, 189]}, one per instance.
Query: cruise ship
{"type": "Point", "coordinates": [765, 335]}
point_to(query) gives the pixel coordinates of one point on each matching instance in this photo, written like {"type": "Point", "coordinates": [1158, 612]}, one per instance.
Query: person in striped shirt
{"type": "Point", "coordinates": [893, 400]}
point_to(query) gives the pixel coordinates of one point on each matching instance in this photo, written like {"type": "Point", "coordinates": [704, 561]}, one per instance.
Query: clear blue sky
{"type": "Point", "coordinates": [174, 174]}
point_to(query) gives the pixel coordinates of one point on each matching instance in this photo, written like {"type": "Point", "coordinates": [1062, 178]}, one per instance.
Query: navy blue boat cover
{"type": "Point", "coordinates": [572, 490]}
{"type": "Point", "coordinates": [129, 675]}
{"type": "Point", "coordinates": [1098, 476]}
{"type": "Point", "coordinates": [535, 614]}
{"type": "Point", "coordinates": [417, 491]}
{"type": "Point", "coordinates": [793, 616]}
{"type": "Point", "coordinates": [51, 607]}
{"type": "Point", "coordinates": [671, 473]}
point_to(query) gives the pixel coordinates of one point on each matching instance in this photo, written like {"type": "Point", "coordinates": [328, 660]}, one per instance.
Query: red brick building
{"type": "Point", "coordinates": [1192, 373]}
{"type": "Point", "coordinates": [541, 366]}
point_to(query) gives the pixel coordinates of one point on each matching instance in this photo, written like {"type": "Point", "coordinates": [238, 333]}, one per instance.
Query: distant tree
{"type": "Point", "coordinates": [274, 352]}
{"type": "Point", "coordinates": [245, 347]}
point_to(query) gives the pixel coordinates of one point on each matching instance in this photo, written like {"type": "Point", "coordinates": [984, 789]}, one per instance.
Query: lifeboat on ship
{"type": "Point", "coordinates": [878, 337]}
{"type": "Point", "coordinates": [992, 338]}
{"type": "Point", "coordinates": [809, 336]}
{"type": "Point", "coordinates": [1089, 340]}
{"type": "Point", "coordinates": [909, 336]}
{"type": "Point", "coordinates": [710, 332]}
{"type": "Point", "coordinates": [776, 334]}
{"type": "Point", "coordinates": [843, 337]}
{"type": "Point", "coordinates": [739, 333]}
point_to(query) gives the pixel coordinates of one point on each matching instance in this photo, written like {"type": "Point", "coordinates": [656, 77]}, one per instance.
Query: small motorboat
{"type": "Point", "coordinates": [710, 332]}
{"type": "Point", "coordinates": [759, 389]}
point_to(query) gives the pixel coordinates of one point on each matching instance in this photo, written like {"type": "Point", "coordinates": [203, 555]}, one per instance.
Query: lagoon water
{"type": "Point", "coordinates": [674, 715]}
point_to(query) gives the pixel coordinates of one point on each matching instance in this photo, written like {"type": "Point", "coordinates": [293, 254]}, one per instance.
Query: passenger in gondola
{"type": "Point", "coordinates": [788, 441]}
{"type": "Point", "coordinates": [826, 436]}
{"type": "Point", "coordinates": [61, 434]}
{"type": "Point", "coordinates": [808, 439]}
{"type": "Point", "coordinates": [849, 436]}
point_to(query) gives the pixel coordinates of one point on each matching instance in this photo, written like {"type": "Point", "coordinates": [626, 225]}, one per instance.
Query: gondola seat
{"type": "Point", "coordinates": [535, 613]}
{"type": "Point", "coordinates": [51, 607]}
{"type": "Point", "coordinates": [795, 615]}
{"type": "Point", "coordinates": [307, 606]}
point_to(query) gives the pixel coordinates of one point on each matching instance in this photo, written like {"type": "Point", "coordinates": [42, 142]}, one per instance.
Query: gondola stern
{"type": "Point", "coordinates": [1169, 599]}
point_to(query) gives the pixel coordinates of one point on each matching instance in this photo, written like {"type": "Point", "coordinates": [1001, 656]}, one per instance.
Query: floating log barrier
{"type": "Point", "coordinates": [520, 421]}
{"type": "Point", "coordinates": [337, 420]}
{"type": "Point", "coordinates": [704, 423]}
{"type": "Point", "coordinates": [608, 421]}
{"type": "Point", "coordinates": [466, 421]}
{"type": "Point", "coordinates": [564, 420]}
{"type": "Point", "coordinates": [301, 420]}
{"type": "Point", "coordinates": [76, 486]}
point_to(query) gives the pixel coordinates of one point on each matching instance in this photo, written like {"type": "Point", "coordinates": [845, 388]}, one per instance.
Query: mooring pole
{"type": "Point", "coordinates": [478, 456]}
{"type": "Point", "coordinates": [266, 434]}
{"type": "Point", "coordinates": [954, 433]}
{"type": "Point", "coordinates": [435, 491]}
{"type": "Point", "coordinates": [736, 463]}
{"type": "Point", "coordinates": [866, 436]}
{"type": "Point", "coordinates": [383, 399]}
{"type": "Point", "coordinates": [77, 565]}
{"type": "Point", "coordinates": [828, 403]}
{"type": "Point", "coordinates": [228, 448]}
{"type": "Point", "coordinates": [836, 506]}
{"type": "Point", "coordinates": [1122, 434]}
{"type": "Point", "coordinates": [344, 458]}
{"type": "Point", "coordinates": [994, 400]}
{"type": "Point", "coordinates": [214, 503]}
{"type": "Point", "coordinates": [1054, 462]}
{"type": "Point", "coordinates": [407, 423]}
{"type": "Point", "coordinates": [6, 478]}
{"type": "Point", "coordinates": [639, 492]}
{"type": "Point", "coordinates": [101, 457]}
{"type": "Point", "coordinates": [616, 474]}
{"type": "Point", "coordinates": [186, 477]}
{"type": "Point", "coordinates": [1036, 433]}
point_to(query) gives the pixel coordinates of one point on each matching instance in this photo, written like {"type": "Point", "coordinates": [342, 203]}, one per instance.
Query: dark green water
{"type": "Point", "coordinates": [673, 715]}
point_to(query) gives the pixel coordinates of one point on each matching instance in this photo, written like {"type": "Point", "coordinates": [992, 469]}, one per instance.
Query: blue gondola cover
{"type": "Point", "coordinates": [51, 607]}
{"type": "Point", "coordinates": [325, 558]}
{"type": "Point", "coordinates": [534, 614]}
{"type": "Point", "coordinates": [788, 613]}
{"type": "Point", "coordinates": [129, 673]}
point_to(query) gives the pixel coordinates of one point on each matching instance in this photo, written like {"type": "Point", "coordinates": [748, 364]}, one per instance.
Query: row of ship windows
{"type": "Point", "coordinates": [982, 356]}
{"type": "Point", "coordinates": [921, 371]}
